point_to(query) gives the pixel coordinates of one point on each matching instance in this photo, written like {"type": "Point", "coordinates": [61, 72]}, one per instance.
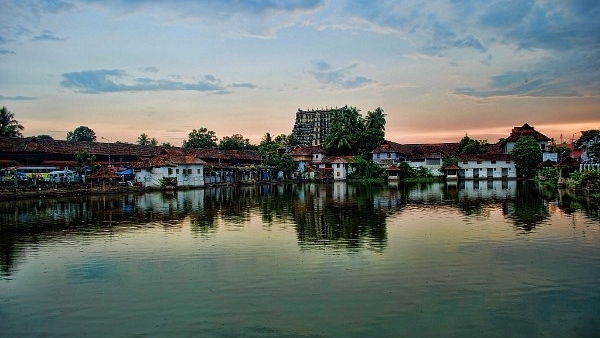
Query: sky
{"type": "Point", "coordinates": [439, 69]}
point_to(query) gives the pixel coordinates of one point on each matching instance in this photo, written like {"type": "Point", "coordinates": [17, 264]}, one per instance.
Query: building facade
{"type": "Point", "coordinates": [312, 126]}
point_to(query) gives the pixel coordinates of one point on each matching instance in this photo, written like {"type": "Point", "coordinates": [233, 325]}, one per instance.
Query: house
{"type": "Point", "coordinates": [525, 130]}
{"type": "Point", "coordinates": [341, 166]}
{"type": "Point", "coordinates": [486, 166]}
{"type": "Point", "coordinates": [182, 167]}
{"type": "Point", "coordinates": [428, 156]}
{"type": "Point", "coordinates": [308, 160]}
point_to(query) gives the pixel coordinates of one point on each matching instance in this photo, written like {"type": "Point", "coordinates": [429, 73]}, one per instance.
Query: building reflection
{"type": "Point", "coordinates": [325, 216]}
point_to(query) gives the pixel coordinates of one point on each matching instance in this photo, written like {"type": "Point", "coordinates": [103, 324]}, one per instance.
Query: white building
{"type": "Point", "coordinates": [185, 170]}
{"type": "Point", "coordinates": [486, 166]}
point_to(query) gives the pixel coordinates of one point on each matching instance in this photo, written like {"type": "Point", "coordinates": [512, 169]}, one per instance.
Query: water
{"type": "Point", "coordinates": [495, 259]}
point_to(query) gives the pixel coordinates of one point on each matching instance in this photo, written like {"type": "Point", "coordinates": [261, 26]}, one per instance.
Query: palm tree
{"type": "Point", "coordinates": [8, 125]}
{"type": "Point", "coordinates": [145, 140]}
{"type": "Point", "coordinates": [375, 119]}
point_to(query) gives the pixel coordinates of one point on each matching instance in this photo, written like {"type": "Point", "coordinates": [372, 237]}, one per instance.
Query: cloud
{"type": "Point", "coordinates": [6, 52]}
{"type": "Point", "coordinates": [47, 36]}
{"type": "Point", "coordinates": [17, 98]}
{"type": "Point", "coordinates": [325, 74]}
{"type": "Point", "coordinates": [114, 80]}
{"type": "Point", "coordinates": [243, 85]}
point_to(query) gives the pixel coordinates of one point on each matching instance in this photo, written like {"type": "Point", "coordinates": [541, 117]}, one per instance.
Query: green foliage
{"type": "Point", "coordinates": [366, 169]}
{"type": "Point", "coordinates": [45, 137]}
{"type": "Point", "coordinates": [549, 175]}
{"type": "Point", "coordinates": [168, 182]}
{"type": "Point", "coordinates": [350, 134]}
{"type": "Point", "coordinates": [271, 152]}
{"type": "Point", "coordinates": [405, 170]}
{"type": "Point", "coordinates": [235, 142]}
{"type": "Point", "coordinates": [8, 125]}
{"type": "Point", "coordinates": [471, 146]}
{"type": "Point", "coordinates": [526, 154]}
{"type": "Point", "coordinates": [145, 140]}
{"type": "Point", "coordinates": [84, 158]}
{"type": "Point", "coordinates": [449, 161]}
{"type": "Point", "coordinates": [589, 179]}
{"type": "Point", "coordinates": [201, 138]}
{"type": "Point", "coordinates": [81, 133]}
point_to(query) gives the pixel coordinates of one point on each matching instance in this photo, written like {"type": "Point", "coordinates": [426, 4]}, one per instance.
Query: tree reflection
{"type": "Point", "coordinates": [527, 209]}
{"type": "Point", "coordinates": [337, 216]}
{"type": "Point", "coordinates": [345, 217]}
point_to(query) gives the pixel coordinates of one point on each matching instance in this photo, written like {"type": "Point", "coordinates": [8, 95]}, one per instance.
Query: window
{"type": "Point", "coordinates": [189, 171]}
{"type": "Point", "coordinates": [432, 161]}
{"type": "Point", "coordinates": [493, 162]}
{"type": "Point", "coordinates": [170, 171]}
{"type": "Point", "coordinates": [465, 162]}
{"type": "Point", "coordinates": [508, 162]}
{"type": "Point", "coordinates": [478, 162]}
{"type": "Point", "coordinates": [338, 165]}
{"type": "Point", "coordinates": [198, 171]}
{"type": "Point", "coordinates": [177, 171]}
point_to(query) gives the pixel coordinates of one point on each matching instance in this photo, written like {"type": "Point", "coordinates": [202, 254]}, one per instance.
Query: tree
{"type": "Point", "coordinates": [145, 140]}
{"type": "Point", "coordinates": [373, 133]}
{"type": "Point", "coordinates": [82, 133]}
{"type": "Point", "coordinates": [471, 146]}
{"type": "Point", "coordinates": [45, 137]}
{"type": "Point", "coordinates": [526, 154]}
{"type": "Point", "coordinates": [375, 119]}
{"type": "Point", "coordinates": [201, 138]}
{"type": "Point", "coordinates": [269, 151]}
{"type": "Point", "coordinates": [366, 168]}
{"type": "Point", "coordinates": [344, 131]}
{"type": "Point", "coordinates": [84, 158]}
{"type": "Point", "coordinates": [8, 125]}
{"type": "Point", "coordinates": [350, 134]}
{"type": "Point", "coordinates": [234, 142]}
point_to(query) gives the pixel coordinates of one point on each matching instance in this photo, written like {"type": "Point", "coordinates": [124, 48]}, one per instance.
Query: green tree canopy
{"type": "Point", "coordinates": [344, 126]}
{"type": "Point", "coordinates": [84, 158]}
{"type": "Point", "coordinates": [201, 138]}
{"type": "Point", "coordinates": [235, 142]}
{"type": "Point", "coordinates": [271, 150]}
{"type": "Point", "coordinates": [471, 146]}
{"type": "Point", "coordinates": [526, 154]}
{"type": "Point", "coordinates": [350, 134]}
{"type": "Point", "coordinates": [8, 125]}
{"type": "Point", "coordinates": [145, 140]}
{"type": "Point", "coordinates": [81, 133]}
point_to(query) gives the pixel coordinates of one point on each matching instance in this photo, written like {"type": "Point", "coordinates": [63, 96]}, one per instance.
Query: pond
{"type": "Point", "coordinates": [486, 259]}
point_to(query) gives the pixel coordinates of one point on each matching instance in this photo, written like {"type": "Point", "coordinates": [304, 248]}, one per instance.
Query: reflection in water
{"type": "Point", "coordinates": [337, 215]}
{"type": "Point", "coordinates": [304, 260]}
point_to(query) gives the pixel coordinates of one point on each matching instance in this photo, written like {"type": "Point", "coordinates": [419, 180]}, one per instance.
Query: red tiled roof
{"type": "Point", "coordinates": [526, 130]}
{"type": "Point", "coordinates": [417, 151]}
{"type": "Point", "coordinates": [103, 172]}
{"type": "Point", "coordinates": [484, 157]}
{"type": "Point", "coordinates": [338, 159]}
{"type": "Point", "coordinates": [309, 150]}
{"type": "Point", "coordinates": [568, 162]}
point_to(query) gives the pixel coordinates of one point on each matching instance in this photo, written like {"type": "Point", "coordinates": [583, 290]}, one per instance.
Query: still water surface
{"type": "Point", "coordinates": [492, 259]}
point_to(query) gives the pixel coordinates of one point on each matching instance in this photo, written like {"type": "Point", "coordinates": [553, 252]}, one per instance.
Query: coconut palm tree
{"type": "Point", "coordinates": [8, 125]}
{"type": "Point", "coordinates": [145, 140]}
{"type": "Point", "coordinates": [375, 119]}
